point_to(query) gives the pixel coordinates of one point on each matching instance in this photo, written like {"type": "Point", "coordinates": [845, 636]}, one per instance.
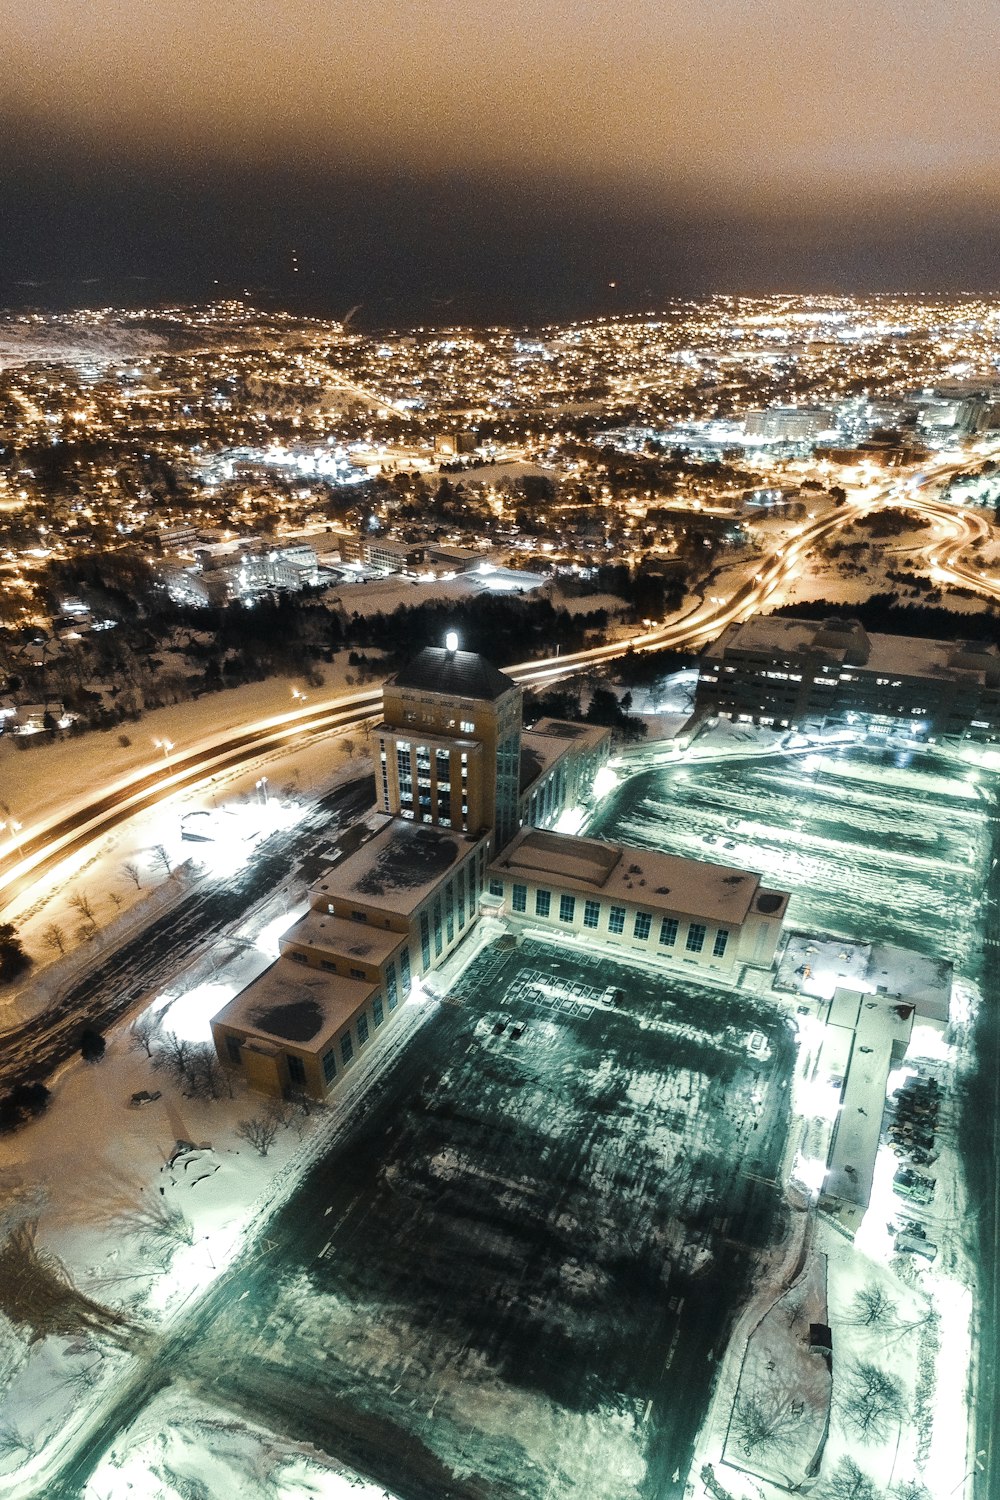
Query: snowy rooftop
{"type": "Point", "coordinates": [459, 674]}
{"type": "Point", "coordinates": [550, 739]}
{"type": "Point", "coordinates": [317, 929]}
{"type": "Point", "coordinates": [878, 1028]}
{"type": "Point", "coordinates": [894, 655]}
{"type": "Point", "coordinates": [289, 1004]}
{"type": "Point", "coordinates": [639, 876]}
{"type": "Point", "coordinates": [398, 868]}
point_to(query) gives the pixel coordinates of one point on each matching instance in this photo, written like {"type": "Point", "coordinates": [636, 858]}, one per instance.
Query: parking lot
{"type": "Point", "coordinates": [517, 1277]}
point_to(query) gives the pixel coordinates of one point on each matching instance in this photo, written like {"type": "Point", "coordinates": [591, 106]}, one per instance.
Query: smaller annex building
{"type": "Point", "coordinates": [709, 915]}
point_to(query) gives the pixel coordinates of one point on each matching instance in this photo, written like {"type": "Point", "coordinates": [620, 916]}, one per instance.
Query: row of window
{"type": "Point", "coordinates": [642, 922]}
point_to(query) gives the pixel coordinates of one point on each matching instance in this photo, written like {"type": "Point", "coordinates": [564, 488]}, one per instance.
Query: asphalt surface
{"type": "Point", "coordinates": [527, 1255]}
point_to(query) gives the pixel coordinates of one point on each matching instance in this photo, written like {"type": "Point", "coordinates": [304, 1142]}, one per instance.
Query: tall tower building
{"type": "Point", "coordinates": [450, 743]}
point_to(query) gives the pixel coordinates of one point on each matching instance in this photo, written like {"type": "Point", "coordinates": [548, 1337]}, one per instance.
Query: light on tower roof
{"type": "Point", "coordinates": [451, 641]}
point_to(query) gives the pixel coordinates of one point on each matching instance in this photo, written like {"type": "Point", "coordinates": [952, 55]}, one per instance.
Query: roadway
{"type": "Point", "coordinates": [41, 846]}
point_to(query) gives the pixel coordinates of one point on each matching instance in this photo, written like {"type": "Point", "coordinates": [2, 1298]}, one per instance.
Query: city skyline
{"type": "Point", "coordinates": [435, 169]}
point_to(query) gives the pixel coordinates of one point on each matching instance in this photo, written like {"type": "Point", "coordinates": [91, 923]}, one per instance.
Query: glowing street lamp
{"type": "Point", "coordinates": [166, 746]}
{"type": "Point", "coordinates": [451, 641]}
{"type": "Point", "coordinates": [261, 786]}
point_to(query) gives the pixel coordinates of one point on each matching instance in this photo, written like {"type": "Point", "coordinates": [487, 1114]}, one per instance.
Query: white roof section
{"type": "Point", "coordinates": [336, 935]}
{"type": "Point", "coordinates": [640, 877]}
{"type": "Point", "coordinates": [398, 869]}
{"type": "Point", "coordinates": [294, 1007]}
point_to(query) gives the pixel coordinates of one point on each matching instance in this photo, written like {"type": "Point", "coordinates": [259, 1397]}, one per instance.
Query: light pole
{"type": "Point", "coordinates": [166, 746]}
{"type": "Point", "coordinates": [262, 790]}
{"type": "Point", "coordinates": [15, 832]}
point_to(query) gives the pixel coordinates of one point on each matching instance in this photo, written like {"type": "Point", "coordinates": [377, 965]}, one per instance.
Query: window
{"type": "Point", "coordinates": [567, 908]}
{"type": "Point", "coordinates": [438, 944]}
{"type": "Point", "coordinates": [695, 938]}
{"type": "Point", "coordinates": [378, 1014]}
{"type": "Point", "coordinates": [543, 903]}
{"type": "Point", "coordinates": [643, 922]}
{"type": "Point", "coordinates": [591, 913]}
{"type": "Point", "coordinates": [329, 965]}
{"type": "Point", "coordinates": [346, 1047]}
{"type": "Point", "coordinates": [298, 958]}
{"type": "Point", "coordinates": [496, 887]}
{"type": "Point", "coordinates": [390, 984]}
{"type": "Point", "coordinates": [404, 975]}
{"type": "Point", "coordinates": [721, 942]}
{"type": "Point", "coordinates": [425, 940]}
{"type": "Point", "coordinates": [359, 916]}
{"type": "Point", "coordinates": [449, 912]}
{"type": "Point", "coordinates": [234, 1049]}
{"type": "Point", "coordinates": [668, 931]}
{"type": "Point", "coordinates": [358, 974]}
{"type": "Point", "coordinates": [362, 1030]}
{"type": "Point", "coordinates": [519, 897]}
{"type": "Point", "coordinates": [616, 919]}
{"type": "Point", "coordinates": [296, 1071]}
{"type": "Point", "coordinates": [467, 726]}
{"type": "Point", "coordinates": [329, 1066]}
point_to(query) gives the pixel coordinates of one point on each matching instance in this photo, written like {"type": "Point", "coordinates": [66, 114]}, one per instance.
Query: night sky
{"type": "Point", "coordinates": [437, 162]}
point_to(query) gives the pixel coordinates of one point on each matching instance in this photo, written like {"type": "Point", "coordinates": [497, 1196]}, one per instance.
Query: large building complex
{"type": "Point", "coordinates": [468, 804]}
{"type": "Point", "coordinates": [785, 672]}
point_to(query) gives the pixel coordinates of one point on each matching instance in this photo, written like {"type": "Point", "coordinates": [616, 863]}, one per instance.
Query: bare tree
{"type": "Point", "coordinates": [115, 899]}
{"type": "Point", "coordinates": [911, 1489]}
{"type": "Point", "coordinates": [848, 1482]}
{"type": "Point", "coordinates": [134, 874]}
{"type": "Point", "coordinates": [174, 1053]}
{"type": "Point", "coordinates": [873, 1402]}
{"type": "Point", "coordinates": [204, 1072]}
{"type": "Point", "coordinates": [873, 1307]}
{"type": "Point", "coordinates": [53, 937]}
{"type": "Point", "coordinates": [80, 902]}
{"type": "Point", "coordinates": [161, 857]}
{"type": "Point", "coordinates": [760, 1426]}
{"type": "Point", "coordinates": [159, 1222]}
{"type": "Point", "coordinates": [259, 1132]}
{"type": "Point", "coordinates": [145, 1031]}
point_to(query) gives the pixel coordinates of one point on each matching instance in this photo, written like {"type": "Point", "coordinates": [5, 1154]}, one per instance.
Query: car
{"type": "Point", "coordinates": [143, 1096]}
{"type": "Point", "coordinates": [915, 1244]}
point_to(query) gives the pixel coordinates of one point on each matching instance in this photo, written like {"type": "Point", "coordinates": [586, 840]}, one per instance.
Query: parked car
{"type": "Point", "coordinates": [143, 1096]}
{"type": "Point", "coordinates": [915, 1244]}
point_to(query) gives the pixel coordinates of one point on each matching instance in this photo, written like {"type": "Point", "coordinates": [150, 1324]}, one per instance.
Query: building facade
{"type": "Point", "coordinates": [788, 672]}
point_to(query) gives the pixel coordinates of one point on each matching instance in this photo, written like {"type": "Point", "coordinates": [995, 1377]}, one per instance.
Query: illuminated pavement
{"type": "Point", "coordinates": [875, 845]}
{"type": "Point", "coordinates": [517, 1276]}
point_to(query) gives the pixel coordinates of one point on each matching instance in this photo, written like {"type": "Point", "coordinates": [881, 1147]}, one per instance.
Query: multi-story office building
{"type": "Point", "coordinates": [459, 784]}
{"type": "Point", "coordinates": [785, 672]}
{"type": "Point", "coordinates": [450, 744]}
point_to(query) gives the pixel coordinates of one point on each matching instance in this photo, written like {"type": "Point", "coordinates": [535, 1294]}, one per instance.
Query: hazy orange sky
{"type": "Point", "coordinates": [811, 111]}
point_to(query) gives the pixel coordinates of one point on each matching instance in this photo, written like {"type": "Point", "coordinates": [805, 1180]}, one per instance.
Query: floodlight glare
{"type": "Point", "coordinates": [451, 641]}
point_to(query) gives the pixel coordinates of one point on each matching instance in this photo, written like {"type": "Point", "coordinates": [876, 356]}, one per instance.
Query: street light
{"type": "Point", "coordinates": [262, 789]}
{"type": "Point", "coordinates": [166, 746]}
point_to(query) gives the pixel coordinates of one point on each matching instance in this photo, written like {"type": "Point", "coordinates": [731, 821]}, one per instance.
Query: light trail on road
{"type": "Point", "coordinates": [40, 847]}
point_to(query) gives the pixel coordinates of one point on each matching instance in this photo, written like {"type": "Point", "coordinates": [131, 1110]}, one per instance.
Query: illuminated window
{"type": "Point", "coordinates": [296, 1071]}
{"type": "Point", "coordinates": [467, 726]}
{"type": "Point", "coordinates": [668, 932]}
{"type": "Point", "coordinates": [695, 937]}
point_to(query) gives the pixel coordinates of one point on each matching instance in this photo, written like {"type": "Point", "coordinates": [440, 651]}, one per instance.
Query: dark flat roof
{"type": "Point", "coordinates": [460, 674]}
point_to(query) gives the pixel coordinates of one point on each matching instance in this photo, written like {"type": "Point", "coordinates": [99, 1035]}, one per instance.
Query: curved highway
{"type": "Point", "coordinates": [41, 846]}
